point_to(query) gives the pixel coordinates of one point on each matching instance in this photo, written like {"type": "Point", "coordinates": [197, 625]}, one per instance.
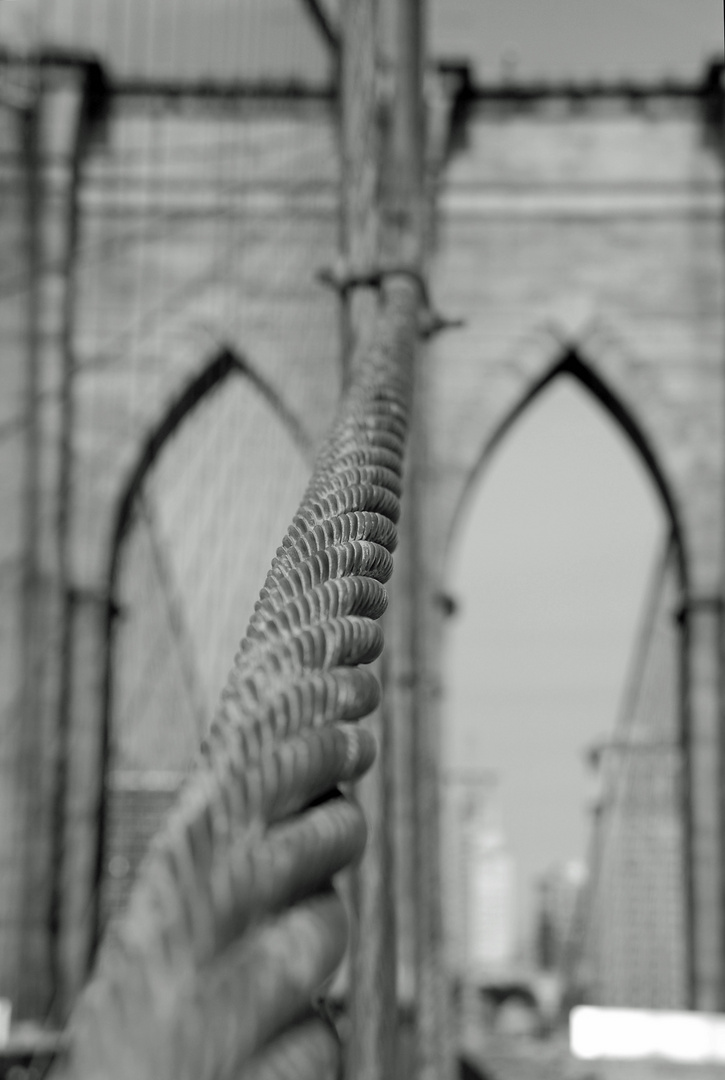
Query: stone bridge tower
{"type": "Point", "coordinates": [580, 234]}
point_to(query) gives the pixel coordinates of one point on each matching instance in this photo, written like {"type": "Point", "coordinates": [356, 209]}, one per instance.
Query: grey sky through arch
{"type": "Point", "coordinates": [550, 570]}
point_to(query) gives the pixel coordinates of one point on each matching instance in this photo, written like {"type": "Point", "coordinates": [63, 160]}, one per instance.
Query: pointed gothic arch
{"type": "Point", "coordinates": [573, 362]}
{"type": "Point", "coordinates": [128, 509]}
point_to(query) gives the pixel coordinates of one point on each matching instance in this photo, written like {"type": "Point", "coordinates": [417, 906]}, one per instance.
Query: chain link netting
{"type": "Point", "coordinates": [633, 927]}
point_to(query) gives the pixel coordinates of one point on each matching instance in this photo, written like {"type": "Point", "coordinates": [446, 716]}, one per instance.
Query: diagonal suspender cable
{"type": "Point", "coordinates": [233, 924]}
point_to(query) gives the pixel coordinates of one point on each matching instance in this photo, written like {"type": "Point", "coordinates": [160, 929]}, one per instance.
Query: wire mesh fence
{"type": "Point", "coordinates": [190, 550]}
{"type": "Point", "coordinates": [633, 927]}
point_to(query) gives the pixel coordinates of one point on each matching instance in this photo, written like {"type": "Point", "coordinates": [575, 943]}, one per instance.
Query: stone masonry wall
{"type": "Point", "coordinates": [593, 225]}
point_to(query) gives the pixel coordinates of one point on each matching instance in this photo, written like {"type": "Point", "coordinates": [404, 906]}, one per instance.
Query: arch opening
{"type": "Point", "coordinates": [213, 487]}
{"type": "Point", "coordinates": [549, 606]}
{"type": "Point", "coordinates": [573, 364]}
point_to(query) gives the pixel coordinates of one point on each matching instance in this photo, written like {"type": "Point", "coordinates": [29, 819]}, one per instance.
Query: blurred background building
{"type": "Point", "coordinates": [480, 880]}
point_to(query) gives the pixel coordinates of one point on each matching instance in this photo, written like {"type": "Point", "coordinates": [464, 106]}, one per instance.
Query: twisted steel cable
{"type": "Point", "coordinates": [233, 925]}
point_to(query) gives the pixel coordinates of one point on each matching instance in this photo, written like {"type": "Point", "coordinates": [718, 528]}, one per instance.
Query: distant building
{"type": "Point", "coordinates": [480, 899]}
{"type": "Point", "coordinates": [560, 895]}
{"type": "Point", "coordinates": [491, 929]}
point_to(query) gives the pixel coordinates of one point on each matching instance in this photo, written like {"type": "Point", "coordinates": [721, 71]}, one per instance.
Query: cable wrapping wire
{"type": "Point", "coordinates": [233, 926]}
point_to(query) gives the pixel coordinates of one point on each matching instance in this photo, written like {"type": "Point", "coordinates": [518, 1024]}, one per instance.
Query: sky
{"type": "Point", "coordinates": [579, 38]}
{"type": "Point", "coordinates": [253, 38]}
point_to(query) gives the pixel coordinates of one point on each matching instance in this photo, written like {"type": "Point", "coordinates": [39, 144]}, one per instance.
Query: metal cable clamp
{"type": "Point", "coordinates": [344, 278]}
